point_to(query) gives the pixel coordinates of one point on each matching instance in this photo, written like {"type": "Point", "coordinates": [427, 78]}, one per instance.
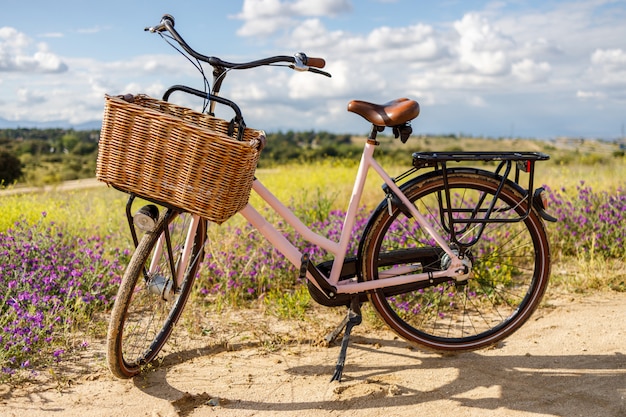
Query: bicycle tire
{"type": "Point", "coordinates": [142, 321]}
{"type": "Point", "coordinates": [510, 271]}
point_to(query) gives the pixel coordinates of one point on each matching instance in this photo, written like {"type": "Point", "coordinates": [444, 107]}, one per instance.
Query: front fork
{"type": "Point", "coordinates": [145, 219]}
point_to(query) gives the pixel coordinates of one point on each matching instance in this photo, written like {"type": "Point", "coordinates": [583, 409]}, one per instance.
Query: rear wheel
{"type": "Point", "coordinates": [148, 302]}
{"type": "Point", "coordinates": [510, 264]}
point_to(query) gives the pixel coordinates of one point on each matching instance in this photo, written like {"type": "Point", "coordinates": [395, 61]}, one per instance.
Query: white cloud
{"type": "Point", "coordinates": [476, 101]}
{"type": "Point", "coordinates": [312, 34]}
{"type": "Point", "coordinates": [347, 81]}
{"type": "Point", "coordinates": [265, 27]}
{"type": "Point", "coordinates": [416, 42]}
{"type": "Point", "coordinates": [266, 17]}
{"type": "Point", "coordinates": [92, 30]}
{"type": "Point", "coordinates": [384, 45]}
{"type": "Point", "coordinates": [12, 39]}
{"type": "Point", "coordinates": [52, 35]}
{"type": "Point", "coordinates": [16, 54]}
{"type": "Point", "coordinates": [585, 95]}
{"type": "Point", "coordinates": [610, 58]}
{"type": "Point", "coordinates": [481, 59]}
{"type": "Point", "coordinates": [29, 97]}
{"type": "Point", "coordinates": [260, 9]}
{"type": "Point", "coordinates": [529, 71]}
{"type": "Point", "coordinates": [77, 95]}
{"type": "Point", "coordinates": [481, 46]}
{"type": "Point", "coordinates": [319, 7]}
{"type": "Point", "coordinates": [608, 67]}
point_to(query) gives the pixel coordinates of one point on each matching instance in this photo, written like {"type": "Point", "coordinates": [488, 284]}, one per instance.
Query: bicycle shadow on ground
{"type": "Point", "coordinates": [380, 374]}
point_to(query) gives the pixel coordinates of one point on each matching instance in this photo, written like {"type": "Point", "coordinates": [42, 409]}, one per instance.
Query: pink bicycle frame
{"type": "Point", "coordinates": [398, 276]}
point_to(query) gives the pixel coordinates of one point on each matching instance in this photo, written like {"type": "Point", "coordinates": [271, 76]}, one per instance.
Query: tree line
{"type": "Point", "coordinates": [43, 156]}
{"type": "Point", "coordinates": [46, 155]}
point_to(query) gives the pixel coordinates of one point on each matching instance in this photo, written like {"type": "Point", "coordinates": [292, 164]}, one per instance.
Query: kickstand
{"type": "Point", "coordinates": [353, 318]}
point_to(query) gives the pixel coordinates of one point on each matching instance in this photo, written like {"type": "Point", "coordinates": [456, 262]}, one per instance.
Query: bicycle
{"type": "Point", "coordinates": [453, 259]}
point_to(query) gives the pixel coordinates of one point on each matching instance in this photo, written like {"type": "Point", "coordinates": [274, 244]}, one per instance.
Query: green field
{"type": "Point", "coordinates": [601, 165]}
{"type": "Point", "coordinates": [100, 210]}
{"type": "Point", "coordinates": [82, 236]}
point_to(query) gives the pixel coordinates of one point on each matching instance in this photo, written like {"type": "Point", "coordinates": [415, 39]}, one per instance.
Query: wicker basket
{"type": "Point", "coordinates": [175, 156]}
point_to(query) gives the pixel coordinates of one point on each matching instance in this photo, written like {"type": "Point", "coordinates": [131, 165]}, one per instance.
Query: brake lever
{"type": "Point", "coordinates": [305, 68]}
{"type": "Point", "coordinates": [318, 71]}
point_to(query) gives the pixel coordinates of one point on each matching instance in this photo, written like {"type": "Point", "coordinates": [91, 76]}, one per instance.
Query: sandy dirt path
{"type": "Point", "coordinates": [568, 360]}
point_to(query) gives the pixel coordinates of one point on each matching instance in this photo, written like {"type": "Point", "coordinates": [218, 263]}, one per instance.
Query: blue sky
{"type": "Point", "coordinates": [522, 68]}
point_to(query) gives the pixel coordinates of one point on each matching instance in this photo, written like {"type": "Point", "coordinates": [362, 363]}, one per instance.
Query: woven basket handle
{"type": "Point", "coordinates": [236, 121]}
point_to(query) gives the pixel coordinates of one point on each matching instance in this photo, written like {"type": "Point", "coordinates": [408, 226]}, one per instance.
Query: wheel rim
{"type": "Point", "coordinates": [149, 318]}
{"type": "Point", "coordinates": [506, 284]}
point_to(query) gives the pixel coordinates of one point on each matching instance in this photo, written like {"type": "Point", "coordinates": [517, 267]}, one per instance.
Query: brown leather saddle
{"type": "Point", "coordinates": [393, 113]}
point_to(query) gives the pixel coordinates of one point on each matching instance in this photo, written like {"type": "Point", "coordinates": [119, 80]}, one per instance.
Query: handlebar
{"type": "Point", "coordinates": [298, 62]}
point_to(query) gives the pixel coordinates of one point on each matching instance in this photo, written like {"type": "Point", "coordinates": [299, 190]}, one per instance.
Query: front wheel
{"type": "Point", "coordinates": [510, 263]}
{"type": "Point", "coordinates": [150, 301]}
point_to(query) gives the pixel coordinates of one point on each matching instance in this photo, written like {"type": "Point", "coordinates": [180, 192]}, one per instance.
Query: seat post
{"type": "Point", "coordinates": [371, 139]}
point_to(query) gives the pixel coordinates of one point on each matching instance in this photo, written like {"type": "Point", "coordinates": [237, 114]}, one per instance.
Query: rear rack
{"type": "Point", "coordinates": [458, 220]}
{"type": "Point", "coordinates": [426, 158]}
{"type": "Point", "coordinates": [484, 156]}
{"type": "Point", "coordinates": [524, 162]}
